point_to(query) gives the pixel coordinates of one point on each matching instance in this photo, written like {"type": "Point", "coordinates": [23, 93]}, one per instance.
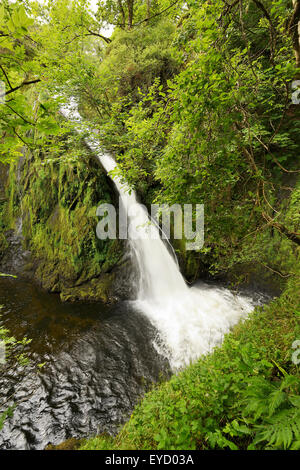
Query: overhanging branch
{"type": "Point", "coordinates": [25, 83]}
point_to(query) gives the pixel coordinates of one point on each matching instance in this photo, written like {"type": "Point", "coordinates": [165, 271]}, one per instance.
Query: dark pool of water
{"type": "Point", "coordinates": [99, 361]}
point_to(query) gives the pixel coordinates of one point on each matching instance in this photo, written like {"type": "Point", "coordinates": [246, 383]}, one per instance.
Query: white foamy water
{"type": "Point", "coordinates": [190, 321]}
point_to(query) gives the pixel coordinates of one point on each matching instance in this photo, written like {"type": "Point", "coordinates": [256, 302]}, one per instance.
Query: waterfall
{"type": "Point", "coordinates": [190, 321]}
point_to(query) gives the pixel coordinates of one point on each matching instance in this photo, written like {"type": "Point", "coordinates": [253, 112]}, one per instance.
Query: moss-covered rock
{"type": "Point", "coordinates": [56, 198]}
{"type": "Point", "coordinates": [69, 444]}
{"type": "Point", "coordinates": [96, 289]}
{"type": "Point", "coordinates": [3, 245]}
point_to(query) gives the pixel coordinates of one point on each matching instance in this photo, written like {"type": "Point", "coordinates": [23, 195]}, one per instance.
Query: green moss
{"type": "Point", "coordinates": [69, 444]}
{"type": "Point", "coordinates": [114, 255]}
{"type": "Point", "coordinates": [58, 199]}
{"type": "Point", "coordinates": [3, 241]}
{"type": "Point", "coordinates": [102, 442]}
{"type": "Point", "coordinates": [12, 208]}
{"type": "Point", "coordinates": [3, 244]}
{"type": "Point", "coordinates": [96, 289]}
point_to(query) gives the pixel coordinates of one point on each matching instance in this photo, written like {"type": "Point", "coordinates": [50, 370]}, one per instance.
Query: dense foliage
{"type": "Point", "coordinates": [222, 130]}
{"type": "Point", "coordinates": [195, 100]}
{"type": "Point", "coordinates": [243, 396]}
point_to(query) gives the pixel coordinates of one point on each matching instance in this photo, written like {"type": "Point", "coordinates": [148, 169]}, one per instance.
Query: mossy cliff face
{"type": "Point", "coordinates": [56, 196]}
{"type": "Point", "coordinates": [3, 181]}
{"type": "Point", "coordinates": [53, 201]}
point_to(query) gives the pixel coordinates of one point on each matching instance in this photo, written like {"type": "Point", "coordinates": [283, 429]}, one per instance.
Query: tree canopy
{"type": "Point", "coordinates": [193, 98]}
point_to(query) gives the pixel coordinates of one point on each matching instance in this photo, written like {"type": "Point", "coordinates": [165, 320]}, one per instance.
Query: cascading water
{"type": "Point", "coordinates": [190, 321]}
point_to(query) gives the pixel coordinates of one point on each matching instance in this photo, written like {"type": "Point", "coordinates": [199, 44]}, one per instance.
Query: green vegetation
{"type": "Point", "coordinates": [57, 195]}
{"type": "Point", "coordinates": [193, 98]}
{"type": "Point", "coordinates": [243, 396]}
{"type": "Point", "coordinates": [222, 130]}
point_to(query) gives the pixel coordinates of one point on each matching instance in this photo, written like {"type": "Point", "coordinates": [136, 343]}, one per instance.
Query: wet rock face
{"type": "Point", "coordinates": [52, 216]}
{"type": "Point", "coordinates": [3, 179]}
{"type": "Point", "coordinates": [13, 258]}
{"type": "Point", "coordinates": [126, 281]}
{"type": "Point", "coordinates": [119, 283]}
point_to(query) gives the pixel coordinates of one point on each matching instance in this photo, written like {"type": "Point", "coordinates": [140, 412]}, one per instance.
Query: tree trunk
{"type": "Point", "coordinates": [148, 9]}
{"type": "Point", "coordinates": [122, 13]}
{"type": "Point", "coordinates": [294, 237]}
{"type": "Point", "coordinates": [130, 13]}
{"type": "Point", "coordinates": [294, 31]}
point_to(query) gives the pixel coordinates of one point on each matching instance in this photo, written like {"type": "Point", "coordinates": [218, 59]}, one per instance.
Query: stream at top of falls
{"type": "Point", "coordinates": [99, 360]}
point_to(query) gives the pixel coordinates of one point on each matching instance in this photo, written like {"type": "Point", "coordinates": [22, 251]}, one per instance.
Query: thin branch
{"type": "Point", "coordinates": [265, 198]}
{"type": "Point", "coordinates": [293, 30]}
{"type": "Point", "coordinates": [274, 158]}
{"type": "Point", "coordinates": [122, 13]}
{"type": "Point", "coordinates": [20, 86]}
{"type": "Point", "coordinates": [272, 27]}
{"type": "Point", "coordinates": [228, 8]}
{"type": "Point", "coordinates": [21, 139]}
{"type": "Point", "coordinates": [148, 19]}
{"type": "Point", "coordinates": [90, 33]}
{"type": "Point", "coordinates": [156, 14]}
{"type": "Point", "coordinates": [20, 116]}
{"type": "Point", "coordinates": [274, 271]}
{"type": "Point", "coordinates": [107, 40]}
{"type": "Point", "coordinates": [293, 236]}
{"type": "Point", "coordinates": [6, 76]}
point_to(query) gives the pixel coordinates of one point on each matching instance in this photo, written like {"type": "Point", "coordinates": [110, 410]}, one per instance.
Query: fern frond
{"type": "Point", "coordinates": [281, 430]}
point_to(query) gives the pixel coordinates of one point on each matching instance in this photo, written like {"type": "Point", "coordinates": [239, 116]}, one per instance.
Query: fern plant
{"type": "Point", "coordinates": [272, 412]}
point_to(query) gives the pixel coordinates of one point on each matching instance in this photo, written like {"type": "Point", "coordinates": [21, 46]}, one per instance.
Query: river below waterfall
{"type": "Point", "coordinates": [99, 362]}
